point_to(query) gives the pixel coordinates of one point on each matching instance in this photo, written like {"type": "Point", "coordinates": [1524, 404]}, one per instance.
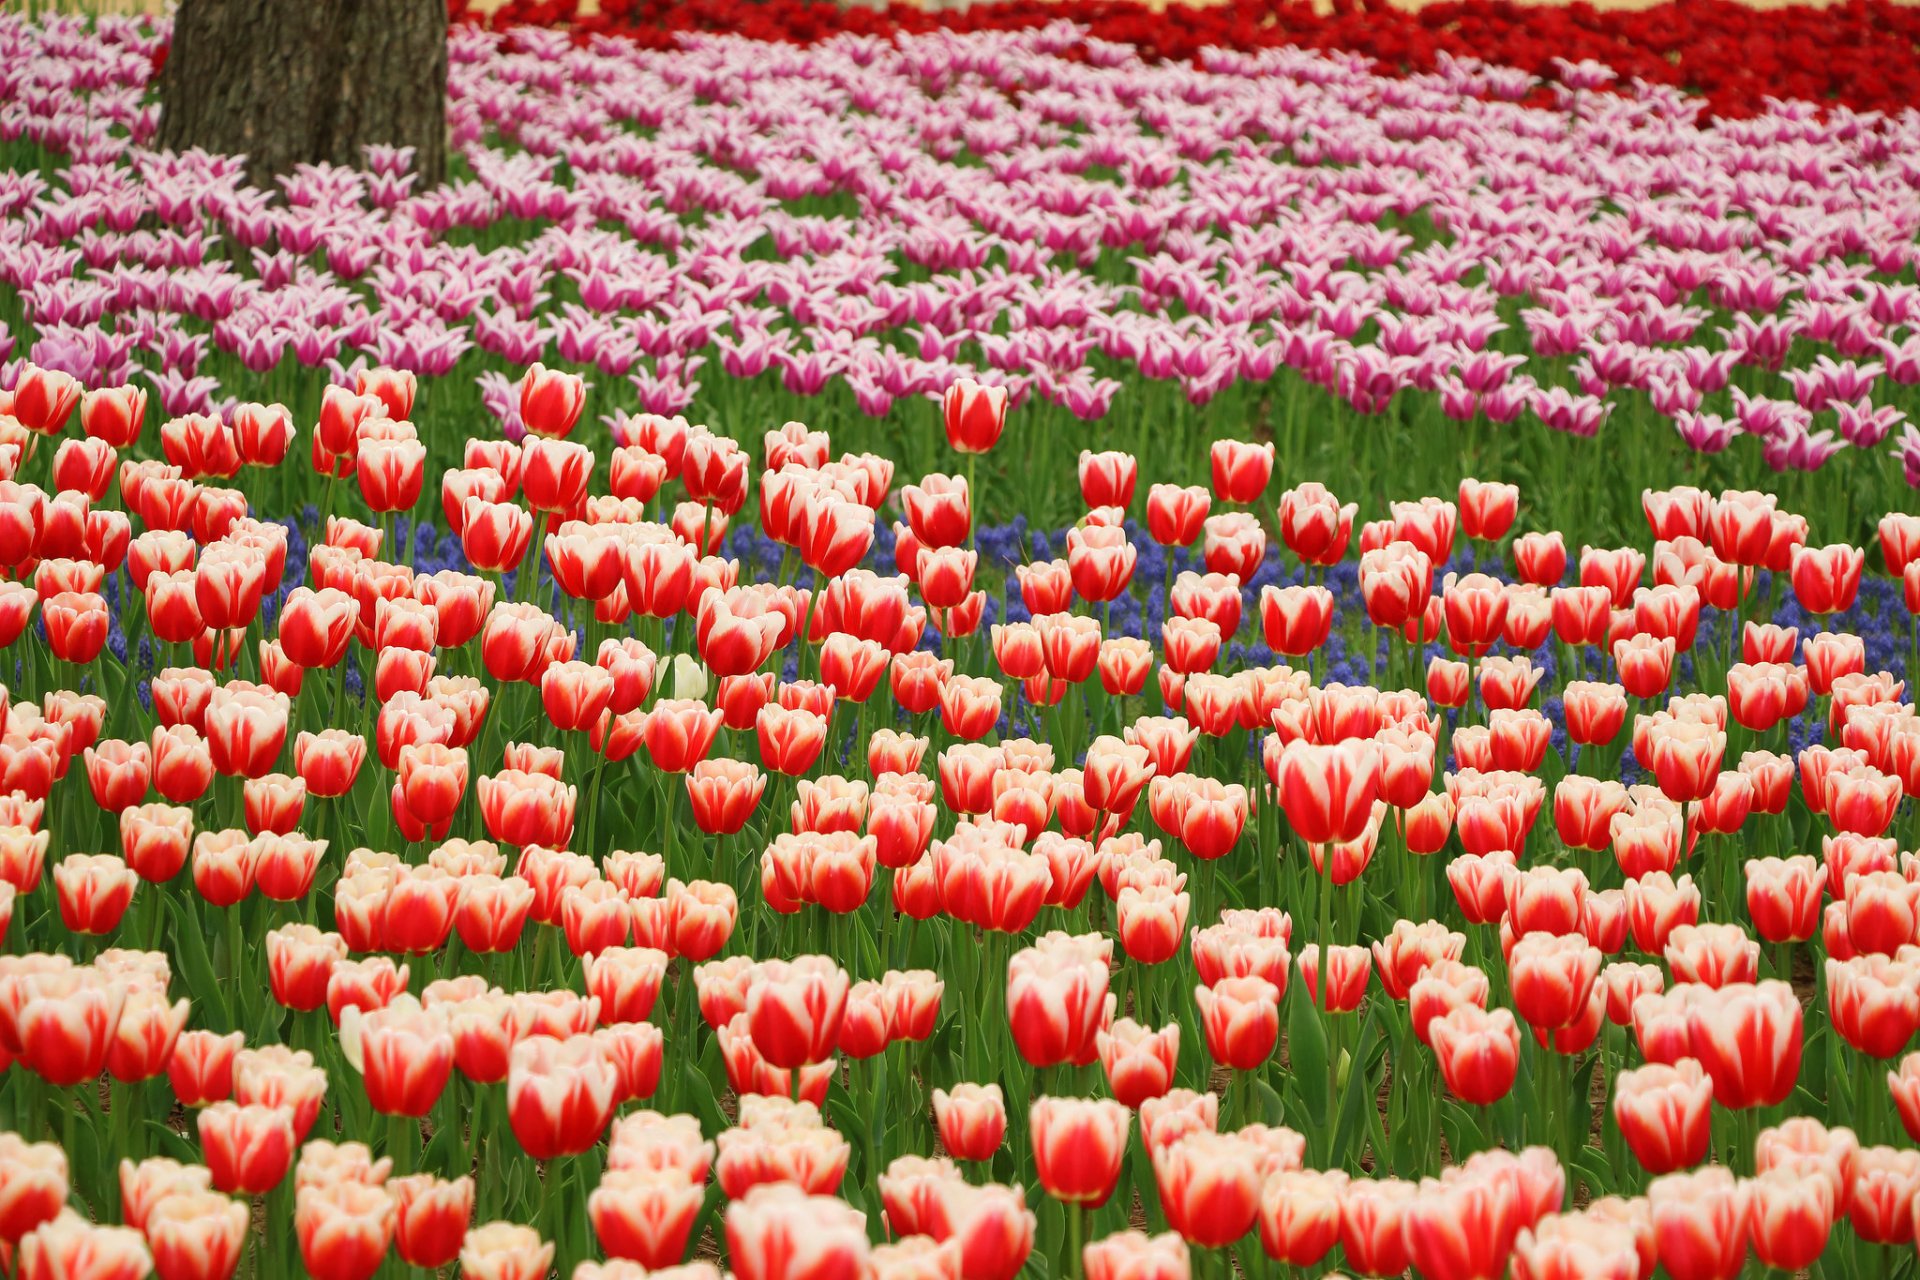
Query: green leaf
{"type": "Point", "coordinates": [849, 1115]}
{"type": "Point", "coordinates": [446, 1153]}
{"type": "Point", "coordinates": [1590, 1163]}
{"type": "Point", "coordinates": [1307, 1054]}
{"type": "Point", "coordinates": [1051, 1238]}
{"type": "Point", "coordinates": [1462, 1129]}
{"type": "Point", "coordinates": [202, 983]}
{"type": "Point", "coordinates": [172, 1144]}
{"type": "Point", "coordinates": [1273, 1108]}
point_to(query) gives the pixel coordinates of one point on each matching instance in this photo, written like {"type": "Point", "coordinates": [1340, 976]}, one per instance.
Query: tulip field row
{"type": "Point", "coordinates": [960, 656]}
{"type": "Point", "coordinates": [1737, 57]}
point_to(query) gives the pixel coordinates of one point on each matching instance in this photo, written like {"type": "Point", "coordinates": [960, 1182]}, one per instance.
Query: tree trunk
{"type": "Point", "coordinates": [286, 82]}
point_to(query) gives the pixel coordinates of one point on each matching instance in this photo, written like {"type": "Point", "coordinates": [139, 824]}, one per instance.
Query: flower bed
{"type": "Point", "coordinates": [975, 800]}
{"type": "Point", "coordinates": [1737, 57]}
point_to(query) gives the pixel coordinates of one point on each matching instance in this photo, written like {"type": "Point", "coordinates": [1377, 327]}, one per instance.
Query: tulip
{"type": "Point", "coordinates": [33, 1185]}
{"type": "Point", "coordinates": [196, 1235]}
{"type": "Point", "coordinates": [975, 415]}
{"type": "Point", "coordinates": [490, 913]}
{"type": "Point", "coordinates": [551, 400]}
{"type": "Point", "coordinates": [366, 984]}
{"type": "Point", "coordinates": [1100, 562]}
{"type": "Point", "coordinates": [1328, 791]}
{"type": "Point", "coordinates": [1662, 1112]}
{"type": "Point", "coordinates": [646, 1215]}
{"type": "Point", "coordinates": [113, 415]}
{"type": "Point", "coordinates": [431, 1218]}
{"type": "Point", "coordinates": [1552, 977]}
{"type": "Point", "coordinates": [405, 1054]}
{"type": "Point", "coordinates": [1078, 1144]}
{"type": "Point", "coordinates": [145, 1036]}
{"type": "Point", "coordinates": [93, 891]}
{"type": "Point", "coordinates": [1055, 998]}
{"type": "Point", "coordinates": [1241, 1018]}
{"type": "Point", "coordinates": [990, 1227]}
{"type": "Point", "coordinates": [1478, 1052]}
{"type": "Point", "coordinates": [779, 1232]}
{"type": "Point", "coordinates": [1409, 951]}
{"type": "Point", "coordinates": [1139, 1062]}
{"type": "Point", "coordinates": [1347, 971]}
{"type": "Point", "coordinates": [560, 1095]}
{"type": "Point", "coordinates": [702, 915]}
{"type": "Point", "coordinates": [971, 1120]}
{"type": "Point", "coordinates": [1611, 1238]}
{"type": "Point", "coordinates": [1701, 1223]}
{"type": "Point", "coordinates": [1150, 921]}
{"type": "Point", "coordinates": [1240, 470]}
{"type": "Point", "coordinates": [1874, 1002]}
{"type": "Point", "coordinates": [1134, 1255]}
{"type": "Point", "coordinates": [343, 1228]}
{"type": "Point", "coordinates": [248, 1148]}
{"type": "Point", "coordinates": [1296, 620]}
{"type": "Point", "coordinates": [69, 1245]}
{"type": "Point", "coordinates": [1791, 1215]}
{"type": "Point", "coordinates": [1826, 579]}
{"type": "Point", "coordinates": [522, 808]}
{"type": "Point", "coordinates": [1209, 1187]}
{"type": "Point", "coordinates": [1880, 1202]}
{"type": "Point", "coordinates": [1314, 525]}
{"type": "Point", "coordinates": [200, 1069]}
{"type": "Point", "coordinates": [76, 625]}
{"type": "Point", "coordinates": [1748, 1037]}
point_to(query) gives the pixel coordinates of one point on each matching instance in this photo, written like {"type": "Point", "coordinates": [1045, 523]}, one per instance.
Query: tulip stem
{"type": "Point", "coordinates": [1076, 1233]}
{"type": "Point", "coordinates": [975, 507]}
{"type": "Point", "coordinates": [543, 1216]}
{"type": "Point", "coordinates": [1326, 1005]}
{"type": "Point", "coordinates": [400, 1143]}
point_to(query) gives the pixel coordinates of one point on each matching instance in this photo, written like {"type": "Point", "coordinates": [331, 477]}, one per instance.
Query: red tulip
{"type": "Point", "coordinates": [431, 1218]}
{"type": "Point", "coordinates": [69, 1245]}
{"type": "Point", "coordinates": [1241, 1018]}
{"type": "Point", "coordinates": [975, 415]}
{"type": "Point", "coordinates": [114, 415]}
{"type": "Point", "coordinates": [490, 913]}
{"type": "Point", "coordinates": [779, 1232]}
{"type": "Point", "coordinates": [1791, 1215]}
{"type": "Point", "coordinates": [200, 1069]}
{"type": "Point", "coordinates": [1055, 997]}
{"type": "Point", "coordinates": [1240, 470]}
{"type": "Point", "coordinates": [1209, 1186]}
{"type": "Point", "coordinates": [1827, 579]}
{"type": "Point", "coordinates": [404, 1053]}
{"type": "Point", "coordinates": [1662, 1112]}
{"type": "Point", "coordinates": [248, 1148]}
{"type": "Point", "coordinates": [1100, 562]}
{"type": "Point", "coordinates": [527, 808]}
{"type": "Point", "coordinates": [971, 1120]}
{"type": "Point", "coordinates": [343, 1228]}
{"type": "Point", "coordinates": [1700, 1221]}
{"type": "Point", "coordinates": [93, 891]}
{"type": "Point", "coordinates": [1478, 1052]}
{"type": "Point", "coordinates": [679, 733]}
{"type": "Point", "coordinates": [559, 1095]}
{"type": "Point", "coordinates": [300, 961]}
{"type": "Point", "coordinates": [1139, 1062]}
{"type": "Point", "coordinates": [1296, 620]}
{"type": "Point", "coordinates": [76, 625]}
{"type": "Point", "coordinates": [551, 400]}
{"type": "Point", "coordinates": [1078, 1145]}
{"type": "Point", "coordinates": [646, 1215]}
{"type": "Point", "coordinates": [1748, 1037]}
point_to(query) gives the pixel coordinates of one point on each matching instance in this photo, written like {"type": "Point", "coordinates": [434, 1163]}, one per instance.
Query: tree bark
{"type": "Point", "coordinates": [286, 82]}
